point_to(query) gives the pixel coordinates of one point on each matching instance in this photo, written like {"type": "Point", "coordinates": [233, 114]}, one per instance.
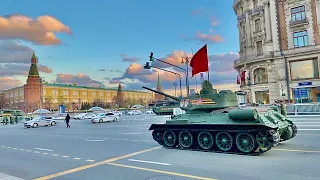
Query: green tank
{"type": "Point", "coordinates": [214, 122]}
{"type": "Point", "coordinates": [165, 107]}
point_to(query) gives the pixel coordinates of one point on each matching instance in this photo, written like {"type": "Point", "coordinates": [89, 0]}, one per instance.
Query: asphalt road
{"type": "Point", "coordinates": [125, 150]}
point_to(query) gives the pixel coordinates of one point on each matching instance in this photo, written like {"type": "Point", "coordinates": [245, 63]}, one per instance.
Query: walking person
{"type": "Point", "coordinates": [68, 120]}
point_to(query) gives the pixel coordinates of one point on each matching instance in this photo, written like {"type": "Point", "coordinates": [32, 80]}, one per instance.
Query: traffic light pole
{"type": "Point", "coordinates": [185, 70]}
{"type": "Point", "coordinates": [147, 66]}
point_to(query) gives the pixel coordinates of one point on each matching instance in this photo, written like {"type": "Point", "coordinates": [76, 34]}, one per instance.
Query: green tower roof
{"type": "Point", "coordinates": [33, 70]}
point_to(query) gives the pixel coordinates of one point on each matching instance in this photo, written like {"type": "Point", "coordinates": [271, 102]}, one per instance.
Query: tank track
{"type": "Point", "coordinates": [164, 113]}
{"type": "Point", "coordinates": [274, 136]}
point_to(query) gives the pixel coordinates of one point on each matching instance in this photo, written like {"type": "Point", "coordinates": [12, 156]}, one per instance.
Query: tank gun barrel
{"type": "Point", "coordinates": [164, 94]}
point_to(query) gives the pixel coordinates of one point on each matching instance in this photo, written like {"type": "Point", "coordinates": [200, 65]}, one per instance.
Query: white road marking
{"type": "Point", "coordinates": [77, 158]}
{"type": "Point", "coordinates": [41, 149]}
{"type": "Point", "coordinates": [9, 147]}
{"type": "Point", "coordinates": [45, 153]}
{"type": "Point", "coordinates": [14, 148]}
{"type": "Point", "coordinates": [150, 162]}
{"type": "Point", "coordinates": [65, 156]}
{"type": "Point", "coordinates": [307, 126]}
{"type": "Point", "coordinates": [94, 140]}
{"type": "Point", "coordinates": [125, 139]}
{"type": "Point", "coordinates": [308, 129]}
{"type": "Point", "coordinates": [21, 149]}
{"type": "Point", "coordinates": [54, 154]}
{"type": "Point", "coordinates": [131, 133]}
{"type": "Point", "coordinates": [36, 152]}
{"type": "Point", "coordinates": [135, 140]}
{"type": "Point", "coordinates": [89, 160]}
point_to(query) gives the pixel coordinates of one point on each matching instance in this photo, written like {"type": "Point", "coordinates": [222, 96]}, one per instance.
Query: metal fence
{"type": "Point", "coordinates": [303, 109]}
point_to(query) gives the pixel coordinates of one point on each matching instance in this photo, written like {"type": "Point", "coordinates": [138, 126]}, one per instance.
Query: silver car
{"type": "Point", "coordinates": [40, 121]}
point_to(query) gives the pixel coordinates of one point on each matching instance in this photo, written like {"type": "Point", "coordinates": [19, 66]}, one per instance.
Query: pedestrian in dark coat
{"type": "Point", "coordinates": [68, 120]}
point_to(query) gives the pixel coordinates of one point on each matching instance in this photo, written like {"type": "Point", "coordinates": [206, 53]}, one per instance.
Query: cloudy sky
{"type": "Point", "coordinates": [107, 42]}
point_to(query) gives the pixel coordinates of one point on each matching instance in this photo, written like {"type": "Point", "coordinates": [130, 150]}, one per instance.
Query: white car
{"type": "Point", "coordinates": [89, 116]}
{"type": "Point", "coordinates": [105, 117]}
{"type": "Point", "coordinates": [149, 112]}
{"type": "Point", "coordinates": [117, 113]}
{"type": "Point", "coordinates": [134, 112]}
{"type": "Point", "coordinates": [40, 121]}
{"type": "Point", "coordinates": [80, 116]}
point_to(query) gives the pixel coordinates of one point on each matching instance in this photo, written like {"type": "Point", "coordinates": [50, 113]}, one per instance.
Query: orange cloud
{"type": "Point", "coordinates": [80, 79]}
{"type": "Point", "coordinates": [40, 31]}
{"type": "Point", "coordinates": [9, 82]}
{"type": "Point", "coordinates": [211, 38]}
{"type": "Point", "coordinates": [214, 22]}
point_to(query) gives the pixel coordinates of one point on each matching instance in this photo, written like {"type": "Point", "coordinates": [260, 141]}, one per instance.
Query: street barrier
{"type": "Point", "coordinates": [304, 109]}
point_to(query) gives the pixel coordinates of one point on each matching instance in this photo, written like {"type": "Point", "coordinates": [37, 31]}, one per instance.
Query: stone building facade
{"type": "Point", "coordinates": [279, 50]}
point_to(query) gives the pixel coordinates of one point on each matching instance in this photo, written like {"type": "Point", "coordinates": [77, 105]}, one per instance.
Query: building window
{"type": "Point", "coordinates": [298, 14]}
{"type": "Point", "coordinates": [255, 4]}
{"type": "Point", "coordinates": [260, 75]}
{"type": "Point", "coordinates": [259, 48]}
{"type": "Point", "coordinates": [300, 39]}
{"type": "Point", "coordinates": [303, 69]}
{"type": "Point", "coordinates": [257, 25]}
{"type": "Point", "coordinates": [262, 97]}
{"type": "Point", "coordinates": [54, 92]}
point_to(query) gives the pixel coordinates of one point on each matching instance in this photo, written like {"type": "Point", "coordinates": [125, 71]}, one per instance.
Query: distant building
{"type": "Point", "coordinates": [28, 96]}
{"type": "Point", "coordinates": [279, 49]}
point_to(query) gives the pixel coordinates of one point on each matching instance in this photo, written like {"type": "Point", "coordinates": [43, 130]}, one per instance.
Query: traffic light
{"type": "Point", "coordinates": [147, 66]}
{"type": "Point", "coordinates": [151, 56]}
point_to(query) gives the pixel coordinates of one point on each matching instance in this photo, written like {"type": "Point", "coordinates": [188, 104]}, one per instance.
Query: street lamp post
{"type": "Point", "coordinates": [147, 66]}
{"type": "Point", "coordinates": [187, 73]}
{"type": "Point", "coordinates": [184, 70]}
{"type": "Point", "coordinates": [41, 80]}
{"type": "Point", "coordinates": [175, 88]}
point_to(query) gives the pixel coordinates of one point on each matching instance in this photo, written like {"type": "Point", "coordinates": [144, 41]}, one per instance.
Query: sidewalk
{"type": "Point", "coordinates": [7, 177]}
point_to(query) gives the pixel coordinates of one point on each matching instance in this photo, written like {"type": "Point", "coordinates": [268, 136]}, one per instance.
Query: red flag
{"type": "Point", "coordinates": [199, 61]}
{"type": "Point", "coordinates": [238, 80]}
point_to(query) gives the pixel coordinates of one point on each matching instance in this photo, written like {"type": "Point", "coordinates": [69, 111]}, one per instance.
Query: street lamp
{"type": "Point", "coordinates": [187, 73]}
{"type": "Point", "coordinates": [147, 66]}
{"type": "Point", "coordinates": [41, 80]}
{"type": "Point", "coordinates": [175, 88]}
{"type": "Point", "coordinates": [184, 70]}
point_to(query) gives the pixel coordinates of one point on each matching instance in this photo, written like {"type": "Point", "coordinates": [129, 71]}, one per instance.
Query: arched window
{"type": "Point", "coordinates": [260, 75]}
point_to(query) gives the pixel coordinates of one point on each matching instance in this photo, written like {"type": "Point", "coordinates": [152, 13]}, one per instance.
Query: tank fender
{"type": "Point", "coordinates": [243, 114]}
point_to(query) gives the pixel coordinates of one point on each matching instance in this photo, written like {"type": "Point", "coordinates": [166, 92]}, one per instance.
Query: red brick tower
{"type": "Point", "coordinates": [32, 88]}
{"type": "Point", "coordinates": [158, 97]}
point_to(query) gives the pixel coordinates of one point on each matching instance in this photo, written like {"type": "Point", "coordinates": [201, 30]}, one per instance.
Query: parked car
{"type": "Point", "coordinates": [149, 111]}
{"type": "Point", "coordinates": [118, 113]}
{"type": "Point", "coordinates": [134, 112]}
{"type": "Point", "coordinates": [40, 121]}
{"type": "Point", "coordinates": [105, 117]}
{"type": "Point", "coordinates": [89, 116]}
{"type": "Point", "coordinates": [80, 116]}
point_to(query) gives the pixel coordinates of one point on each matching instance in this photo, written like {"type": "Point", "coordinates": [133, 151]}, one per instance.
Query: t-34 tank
{"type": "Point", "coordinates": [214, 122]}
{"type": "Point", "coordinates": [165, 107]}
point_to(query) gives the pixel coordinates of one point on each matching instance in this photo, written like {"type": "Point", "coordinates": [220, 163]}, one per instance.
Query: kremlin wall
{"type": "Point", "coordinates": [28, 96]}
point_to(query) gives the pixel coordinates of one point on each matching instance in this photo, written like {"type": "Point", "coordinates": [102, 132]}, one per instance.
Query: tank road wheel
{"type": "Point", "coordinates": [185, 139]}
{"type": "Point", "coordinates": [266, 139]}
{"type": "Point", "coordinates": [224, 141]}
{"type": "Point", "coordinates": [246, 142]}
{"type": "Point", "coordinates": [170, 138]}
{"type": "Point", "coordinates": [205, 140]}
{"type": "Point", "coordinates": [157, 135]}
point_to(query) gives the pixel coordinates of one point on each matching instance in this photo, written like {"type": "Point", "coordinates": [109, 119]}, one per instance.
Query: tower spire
{"type": "Point", "coordinates": [33, 68]}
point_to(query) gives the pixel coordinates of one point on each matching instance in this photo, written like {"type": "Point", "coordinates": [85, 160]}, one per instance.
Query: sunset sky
{"type": "Point", "coordinates": [105, 42]}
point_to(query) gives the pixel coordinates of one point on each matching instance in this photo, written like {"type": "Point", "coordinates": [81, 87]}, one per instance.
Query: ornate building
{"type": "Point", "coordinates": [36, 93]}
{"type": "Point", "coordinates": [279, 49]}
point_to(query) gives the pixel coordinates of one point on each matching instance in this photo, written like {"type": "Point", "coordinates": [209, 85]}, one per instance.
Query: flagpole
{"type": "Point", "coordinates": [195, 78]}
